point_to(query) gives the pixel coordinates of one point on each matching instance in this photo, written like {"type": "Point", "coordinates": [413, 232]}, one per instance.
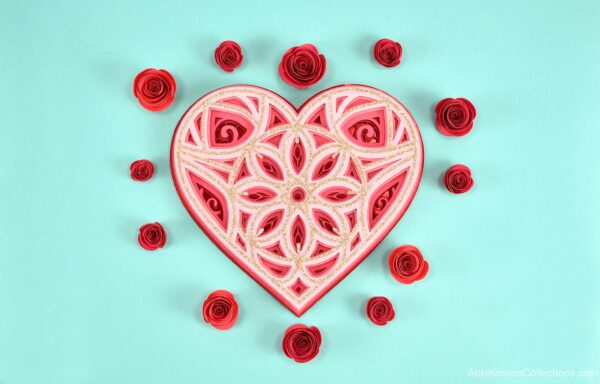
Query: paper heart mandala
{"type": "Point", "coordinates": [297, 198]}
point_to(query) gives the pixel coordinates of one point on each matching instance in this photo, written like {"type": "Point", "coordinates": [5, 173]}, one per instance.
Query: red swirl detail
{"type": "Point", "coordinates": [228, 129]}
{"type": "Point", "coordinates": [211, 198]}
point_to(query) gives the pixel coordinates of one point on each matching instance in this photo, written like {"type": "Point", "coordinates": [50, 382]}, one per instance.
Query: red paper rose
{"type": "Point", "coordinates": [302, 66]}
{"type": "Point", "coordinates": [228, 55]}
{"type": "Point", "coordinates": [387, 52]}
{"type": "Point", "coordinates": [458, 179]}
{"type": "Point", "coordinates": [454, 117]}
{"type": "Point", "coordinates": [301, 343]}
{"type": "Point", "coordinates": [407, 264]}
{"type": "Point", "coordinates": [152, 236]}
{"type": "Point", "coordinates": [141, 170]}
{"type": "Point", "coordinates": [380, 310]}
{"type": "Point", "coordinates": [220, 310]}
{"type": "Point", "coordinates": [154, 88]}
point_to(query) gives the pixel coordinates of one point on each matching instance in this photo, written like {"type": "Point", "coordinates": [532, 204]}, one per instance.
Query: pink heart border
{"type": "Point", "coordinates": [250, 273]}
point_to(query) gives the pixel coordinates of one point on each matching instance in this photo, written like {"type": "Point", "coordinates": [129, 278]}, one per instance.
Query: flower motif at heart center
{"type": "Point", "coordinates": [297, 199]}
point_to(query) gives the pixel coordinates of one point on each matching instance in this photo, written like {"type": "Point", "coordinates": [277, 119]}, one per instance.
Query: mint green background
{"type": "Point", "coordinates": [514, 280]}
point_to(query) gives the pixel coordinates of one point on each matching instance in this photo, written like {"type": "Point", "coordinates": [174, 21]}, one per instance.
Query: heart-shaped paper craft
{"type": "Point", "coordinates": [297, 198]}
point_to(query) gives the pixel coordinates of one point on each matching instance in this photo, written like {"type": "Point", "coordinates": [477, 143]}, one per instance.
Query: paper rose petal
{"type": "Point", "coordinates": [302, 66]}
{"type": "Point", "coordinates": [458, 179]}
{"type": "Point", "coordinates": [301, 343]}
{"type": "Point", "coordinates": [228, 55]}
{"type": "Point", "coordinates": [152, 236]}
{"type": "Point", "coordinates": [387, 52]}
{"type": "Point", "coordinates": [141, 170]}
{"type": "Point", "coordinates": [220, 310]}
{"type": "Point", "coordinates": [407, 264]}
{"type": "Point", "coordinates": [454, 117]}
{"type": "Point", "coordinates": [380, 310]}
{"type": "Point", "coordinates": [154, 89]}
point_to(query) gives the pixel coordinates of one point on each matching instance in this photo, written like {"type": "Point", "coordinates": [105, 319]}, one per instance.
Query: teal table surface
{"type": "Point", "coordinates": [513, 293]}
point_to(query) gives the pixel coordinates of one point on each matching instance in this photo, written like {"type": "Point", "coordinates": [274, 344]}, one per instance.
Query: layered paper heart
{"type": "Point", "coordinates": [297, 198]}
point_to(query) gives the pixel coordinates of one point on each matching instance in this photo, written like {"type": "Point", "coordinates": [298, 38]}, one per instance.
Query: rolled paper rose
{"type": "Point", "coordinates": [220, 310]}
{"type": "Point", "coordinates": [154, 89]}
{"type": "Point", "coordinates": [380, 310]}
{"type": "Point", "coordinates": [407, 264]}
{"type": "Point", "coordinates": [301, 343]}
{"type": "Point", "coordinates": [458, 179]}
{"type": "Point", "coordinates": [454, 117]}
{"type": "Point", "coordinates": [302, 66]}
{"type": "Point", "coordinates": [152, 236]}
{"type": "Point", "coordinates": [387, 52]}
{"type": "Point", "coordinates": [141, 170]}
{"type": "Point", "coordinates": [228, 55]}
